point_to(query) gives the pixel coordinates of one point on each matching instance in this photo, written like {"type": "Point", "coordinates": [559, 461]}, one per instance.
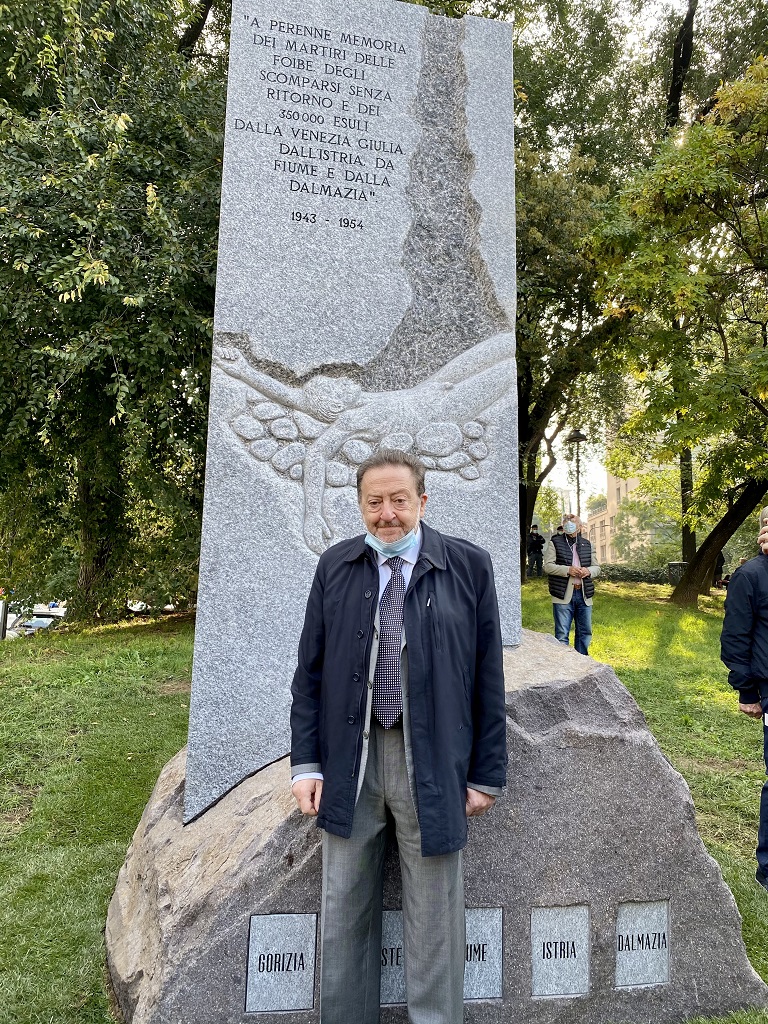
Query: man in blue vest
{"type": "Point", "coordinates": [571, 567]}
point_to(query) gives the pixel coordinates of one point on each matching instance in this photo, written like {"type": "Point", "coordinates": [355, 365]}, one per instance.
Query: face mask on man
{"type": "Point", "coordinates": [396, 547]}
{"type": "Point", "coordinates": [570, 527]}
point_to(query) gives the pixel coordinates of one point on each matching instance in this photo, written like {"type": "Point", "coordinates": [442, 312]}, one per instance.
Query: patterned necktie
{"type": "Point", "coordinates": [387, 691]}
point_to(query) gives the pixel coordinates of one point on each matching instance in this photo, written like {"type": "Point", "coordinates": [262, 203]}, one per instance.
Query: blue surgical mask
{"type": "Point", "coordinates": [570, 527]}
{"type": "Point", "coordinates": [396, 547]}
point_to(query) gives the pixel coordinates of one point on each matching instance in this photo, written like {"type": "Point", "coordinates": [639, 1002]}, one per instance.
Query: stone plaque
{"type": "Point", "coordinates": [484, 955]}
{"type": "Point", "coordinates": [365, 298]}
{"type": "Point", "coordinates": [642, 944]}
{"type": "Point", "coordinates": [281, 962]}
{"type": "Point", "coordinates": [560, 951]}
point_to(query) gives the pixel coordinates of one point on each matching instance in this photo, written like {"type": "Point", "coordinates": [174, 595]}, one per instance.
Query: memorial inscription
{"type": "Point", "coordinates": [642, 944]}
{"type": "Point", "coordinates": [323, 113]}
{"type": "Point", "coordinates": [483, 956]}
{"type": "Point", "coordinates": [559, 951]}
{"type": "Point", "coordinates": [281, 962]}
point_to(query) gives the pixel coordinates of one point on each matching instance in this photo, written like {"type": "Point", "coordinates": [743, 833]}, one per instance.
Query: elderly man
{"type": "Point", "coordinates": [744, 650]}
{"type": "Point", "coordinates": [398, 708]}
{"type": "Point", "coordinates": [571, 567]}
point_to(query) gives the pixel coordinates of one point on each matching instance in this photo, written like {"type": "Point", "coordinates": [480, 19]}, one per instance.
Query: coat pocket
{"type": "Point", "coordinates": [434, 616]}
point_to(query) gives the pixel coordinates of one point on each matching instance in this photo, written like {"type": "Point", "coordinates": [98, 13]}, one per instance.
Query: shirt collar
{"type": "Point", "coordinates": [411, 555]}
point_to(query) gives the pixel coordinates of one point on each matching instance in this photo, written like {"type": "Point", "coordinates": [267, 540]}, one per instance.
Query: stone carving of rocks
{"type": "Point", "coordinates": [266, 410]}
{"type": "Point", "coordinates": [470, 473]}
{"type": "Point", "coordinates": [289, 456]}
{"type": "Point", "coordinates": [588, 788]}
{"type": "Point", "coordinates": [336, 474]}
{"type": "Point", "coordinates": [439, 439]}
{"type": "Point", "coordinates": [248, 428]}
{"type": "Point", "coordinates": [400, 442]}
{"type": "Point", "coordinates": [308, 426]}
{"type": "Point", "coordinates": [357, 451]}
{"type": "Point", "coordinates": [455, 461]}
{"type": "Point", "coordinates": [352, 477]}
{"type": "Point", "coordinates": [473, 429]}
{"type": "Point", "coordinates": [284, 429]}
{"type": "Point", "coordinates": [263, 450]}
{"type": "Point", "coordinates": [296, 472]}
{"type": "Point", "coordinates": [478, 450]}
{"type": "Point", "coordinates": [428, 463]}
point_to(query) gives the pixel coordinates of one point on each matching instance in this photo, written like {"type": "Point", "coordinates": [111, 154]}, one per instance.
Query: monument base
{"type": "Point", "coordinates": [590, 895]}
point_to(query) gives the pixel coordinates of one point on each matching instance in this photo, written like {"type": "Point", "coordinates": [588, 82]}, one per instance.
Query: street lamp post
{"type": "Point", "coordinates": [576, 437]}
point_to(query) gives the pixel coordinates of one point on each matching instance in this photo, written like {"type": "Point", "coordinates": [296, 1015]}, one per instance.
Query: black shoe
{"type": "Point", "coordinates": [761, 878]}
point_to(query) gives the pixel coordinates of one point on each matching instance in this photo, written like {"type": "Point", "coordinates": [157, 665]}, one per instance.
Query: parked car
{"type": "Point", "coordinates": [31, 626]}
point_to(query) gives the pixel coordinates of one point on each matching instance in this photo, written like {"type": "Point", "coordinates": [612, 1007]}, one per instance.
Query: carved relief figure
{"type": "Point", "coordinates": [303, 429]}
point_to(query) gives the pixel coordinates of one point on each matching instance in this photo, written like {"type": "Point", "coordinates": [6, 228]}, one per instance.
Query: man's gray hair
{"type": "Point", "coordinates": [392, 457]}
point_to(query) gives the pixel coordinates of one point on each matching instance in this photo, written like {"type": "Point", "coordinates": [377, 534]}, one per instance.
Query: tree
{"type": "Point", "coordinates": [692, 253]}
{"type": "Point", "coordinates": [111, 137]}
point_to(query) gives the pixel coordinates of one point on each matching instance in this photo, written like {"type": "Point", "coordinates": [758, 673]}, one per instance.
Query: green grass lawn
{"type": "Point", "coordinates": [88, 719]}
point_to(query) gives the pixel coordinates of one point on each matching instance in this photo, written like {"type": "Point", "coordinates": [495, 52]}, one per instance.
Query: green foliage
{"type": "Point", "coordinates": [548, 510]}
{"type": "Point", "coordinates": [109, 179]}
{"type": "Point", "coordinates": [634, 572]}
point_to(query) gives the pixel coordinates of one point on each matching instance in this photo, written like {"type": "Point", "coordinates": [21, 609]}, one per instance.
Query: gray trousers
{"type": "Point", "coordinates": [433, 904]}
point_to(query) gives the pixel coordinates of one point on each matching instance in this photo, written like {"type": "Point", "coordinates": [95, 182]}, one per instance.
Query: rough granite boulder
{"type": "Point", "coordinates": [593, 855]}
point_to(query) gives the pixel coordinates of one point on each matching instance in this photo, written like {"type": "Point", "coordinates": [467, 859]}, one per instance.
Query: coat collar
{"type": "Point", "coordinates": [432, 548]}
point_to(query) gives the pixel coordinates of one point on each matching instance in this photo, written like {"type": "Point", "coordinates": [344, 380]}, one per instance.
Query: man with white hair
{"type": "Point", "coordinates": [571, 567]}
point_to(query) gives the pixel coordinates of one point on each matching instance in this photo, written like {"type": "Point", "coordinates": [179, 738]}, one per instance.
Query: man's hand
{"type": "Point", "coordinates": [478, 803]}
{"type": "Point", "coordinates": [307, 793]}
{"type": "Point", "coordinates": [753, 710]}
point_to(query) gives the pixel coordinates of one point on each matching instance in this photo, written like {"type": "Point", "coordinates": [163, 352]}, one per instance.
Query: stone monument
{"type": "Point", "coordinates": [365, 297]}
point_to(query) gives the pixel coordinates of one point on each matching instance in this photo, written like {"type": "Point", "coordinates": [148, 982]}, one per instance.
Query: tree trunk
{"type": "Point", "coordinates": [695, 579]}
{"type": "Point", "coordinates": [100, 506]}
{"type": "Point", "coordinates": [688, 536]}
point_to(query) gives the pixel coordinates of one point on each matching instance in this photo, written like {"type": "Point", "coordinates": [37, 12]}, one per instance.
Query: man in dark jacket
{"type": "Point", "coordinates": [744, 649]}
{"type": "Point", "coordinates": [398, 706]}
{"type": "Point", "coordinates": [535, 548]}
{"type": "Point", "coordinates": [571, 567]}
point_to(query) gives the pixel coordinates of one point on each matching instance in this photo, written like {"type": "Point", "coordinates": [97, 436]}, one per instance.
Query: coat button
{"type": "Point", "coordinates": [365, 735]}
{"type": "Point", "coordinates": [370, 685]}
{"type": "Point", "coordinates": [360, 634]}
{"type": "Point", "coordinates": [369, 593]}
{"type": "Point", "coordinates": [351, 719]}
{"type": "Point", "coordinates": [356, 677]}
